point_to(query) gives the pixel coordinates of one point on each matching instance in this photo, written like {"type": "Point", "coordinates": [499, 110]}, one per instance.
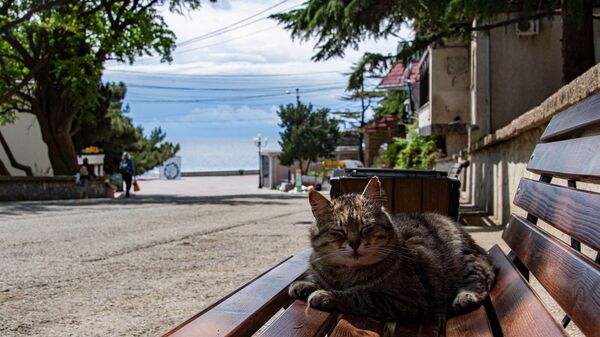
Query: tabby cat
{"type": "Point", "coordinates": [366, 261]}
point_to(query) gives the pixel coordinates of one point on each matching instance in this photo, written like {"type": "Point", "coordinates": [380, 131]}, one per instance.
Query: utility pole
{"type": "Point", "coordinates": [297, 97]}
{"type": "Point", "coordinates": [361, 152]}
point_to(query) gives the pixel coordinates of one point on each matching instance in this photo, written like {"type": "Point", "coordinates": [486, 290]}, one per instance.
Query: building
{"type": "Point", "coordinates": [24, 139]}
{"type": "Point", "coordinates": [487, 99]}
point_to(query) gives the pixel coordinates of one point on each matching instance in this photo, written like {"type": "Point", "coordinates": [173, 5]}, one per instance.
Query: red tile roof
{"type": "Point", "coordinates": [399, 74]}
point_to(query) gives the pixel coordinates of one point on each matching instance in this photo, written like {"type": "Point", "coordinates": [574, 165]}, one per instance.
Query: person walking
{"type": "Point", "coordinates": [127, 168]}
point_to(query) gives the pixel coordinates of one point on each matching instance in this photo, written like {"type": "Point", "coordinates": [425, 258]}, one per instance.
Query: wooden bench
{"type": "Point", "coordinates": [566, 151]}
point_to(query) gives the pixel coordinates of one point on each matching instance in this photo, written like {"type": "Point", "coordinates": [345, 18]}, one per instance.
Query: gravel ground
{"type": "Point", "coordinates": [138, 267]}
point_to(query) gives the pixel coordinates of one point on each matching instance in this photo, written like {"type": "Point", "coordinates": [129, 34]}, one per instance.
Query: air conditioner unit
{"type": "Point", "coordinates": [527, 27]}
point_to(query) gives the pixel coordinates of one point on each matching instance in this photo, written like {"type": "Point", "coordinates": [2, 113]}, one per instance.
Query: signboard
{"type": "Point", "coordinates": [171, 169]}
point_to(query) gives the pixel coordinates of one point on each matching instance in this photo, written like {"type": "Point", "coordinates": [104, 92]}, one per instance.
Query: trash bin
{"type": "Point", "coordinates": [406, 190]}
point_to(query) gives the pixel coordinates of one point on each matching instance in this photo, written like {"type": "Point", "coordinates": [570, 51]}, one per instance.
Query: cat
{"type": "Point", "coordinates": [366, 261]}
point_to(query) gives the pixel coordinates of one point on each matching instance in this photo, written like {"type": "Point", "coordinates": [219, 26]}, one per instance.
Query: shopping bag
{"type": "Point", "coordinates": [136, 186]}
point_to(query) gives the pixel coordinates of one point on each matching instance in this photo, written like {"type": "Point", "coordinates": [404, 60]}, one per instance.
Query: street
{"type": "Point", "coordinates": [138, 267]}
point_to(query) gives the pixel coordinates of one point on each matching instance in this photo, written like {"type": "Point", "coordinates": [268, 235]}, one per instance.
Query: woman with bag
{"type": "Point", "coordinates": [127, 169]}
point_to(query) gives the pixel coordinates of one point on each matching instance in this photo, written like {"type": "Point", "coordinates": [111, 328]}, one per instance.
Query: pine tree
{"type": "Point", "coordinates": [308, 135]}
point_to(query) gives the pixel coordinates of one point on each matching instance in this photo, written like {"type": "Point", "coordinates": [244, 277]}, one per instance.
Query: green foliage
{"type": "Point", "coordinates": [307, 135]}
{"type": "Point", "coordinates": [337, 25]}
{"type": "Point", "coordinates": [392, 104]}
{"type": "Point", "coordinates": [340, 24]}
{"type": "Point", "coordinates": [107, 127]}
{"type": "Point", "coordinates": [152, 151]}
{"type": "Point", "coordinates": [413, 152]}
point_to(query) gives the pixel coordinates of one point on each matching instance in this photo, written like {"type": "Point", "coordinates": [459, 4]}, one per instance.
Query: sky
{"type": "Point", "coordinates": [232, 68]}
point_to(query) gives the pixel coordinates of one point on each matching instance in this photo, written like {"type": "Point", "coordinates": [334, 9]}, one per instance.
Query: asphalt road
{"type": "Point", "coordinates": [139, 266]}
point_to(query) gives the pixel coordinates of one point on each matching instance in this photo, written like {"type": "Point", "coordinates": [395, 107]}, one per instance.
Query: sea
{"type": "Point", "coordinates": [219, 154]}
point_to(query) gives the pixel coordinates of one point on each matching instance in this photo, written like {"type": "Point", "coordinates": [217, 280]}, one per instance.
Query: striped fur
{"type": "Point", "coordinates": [366, 261]}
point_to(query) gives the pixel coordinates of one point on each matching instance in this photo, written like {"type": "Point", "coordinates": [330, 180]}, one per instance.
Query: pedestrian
{"type": "Point", "coordinates": [86, 173]}
{"type": "Point", "coordinates": [127, 168]}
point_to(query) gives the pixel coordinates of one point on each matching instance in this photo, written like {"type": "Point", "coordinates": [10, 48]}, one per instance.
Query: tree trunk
{"type": "Point", "coordinates": [13, 161]}
{"type": "Point", "coordinates": [577, 39]}
{"type": "Point", "coordinates": [56, 113]}
{"type": "Point", "coordinates": [3, 170]}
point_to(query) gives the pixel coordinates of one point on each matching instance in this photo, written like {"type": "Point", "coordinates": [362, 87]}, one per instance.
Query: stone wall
{"type": "Point", "coordinates": [50, 188]}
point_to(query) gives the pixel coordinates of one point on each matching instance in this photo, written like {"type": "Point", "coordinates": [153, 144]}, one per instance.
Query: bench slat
{"type": "Point", "coordinates": [357, 326]}
{"type": "Point", "coordinates": [300, 321]}
{"type": "Point", "coordinates": [247, 309]}
{"type": "Point", "coordinates": [520, 312]}
{"type": "Point", "coordinates": [574, 212]}
{"type": "Point", "coordinates": [584, 114]}
{"type": "Point", "coordinates": [417, 329]}
{"type": "Point", "coordinates": [570, 278]}
{"type": "Point", "coordinates": [472, 324]}
{"type": "Point", "coordinates": [577, 159]}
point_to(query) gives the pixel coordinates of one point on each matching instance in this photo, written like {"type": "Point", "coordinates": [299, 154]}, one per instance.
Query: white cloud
{"type": "Point", "coordinates": [226, 115]}
{"type": "Point", "coordinates": [261, 47]}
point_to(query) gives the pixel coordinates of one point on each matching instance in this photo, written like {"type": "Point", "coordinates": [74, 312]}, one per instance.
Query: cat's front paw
{"type": "Point", "coordinates": [301, 289]}
{"type": "Point", "coordinates": [467, 300]}
{"type": "Point", "coordinates": [322, 299]}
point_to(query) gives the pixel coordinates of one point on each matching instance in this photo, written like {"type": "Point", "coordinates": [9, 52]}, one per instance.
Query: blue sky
{"type": "Point", "coordinates": [229, 83]}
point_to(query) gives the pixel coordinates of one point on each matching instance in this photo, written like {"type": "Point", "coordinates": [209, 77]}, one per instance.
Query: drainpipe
{"type": "Point", "coordinates": [489, 77]}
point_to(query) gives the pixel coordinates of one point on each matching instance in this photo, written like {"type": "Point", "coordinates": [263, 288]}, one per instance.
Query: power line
{"type": "Point", "coordinates": [155, 74]}
{"type": "Point", "coordinates": [179, 88]}
{"type": "Point", "coordinates": [179, 52]}
{"type": "Point", "coordinates": [230, 27]}
{"type": "Point", "coordinates": [204, 121]}
{"type": "Point", "coordinates": [227, 98]}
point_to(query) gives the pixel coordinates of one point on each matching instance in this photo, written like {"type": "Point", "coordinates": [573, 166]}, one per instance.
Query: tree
{"type": "Point", "coordinates": [307, 135]}
{"type": "Point", "coordinates": [64, 50]}
{"type": "Point", "coordinates": [107, 127]}
{"type": "Point", "coordinates": [415, 151]}
{"type": "Point", "coordinates": [341, 24]}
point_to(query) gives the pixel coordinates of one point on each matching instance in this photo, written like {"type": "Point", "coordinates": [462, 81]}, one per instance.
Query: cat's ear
{"type": "Point", "coordinates": [374, 192]}
{"type": "Point", "coordinates": [319, 204]}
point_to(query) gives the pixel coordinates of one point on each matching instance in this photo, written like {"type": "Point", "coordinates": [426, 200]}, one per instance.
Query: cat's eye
{"type": "Point", "coordinates": [338, 232]}
{"type": "Point", "coordinates": [367, 229]}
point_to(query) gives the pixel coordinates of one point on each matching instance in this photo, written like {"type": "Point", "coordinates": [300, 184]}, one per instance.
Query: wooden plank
{"type": "Point", "coordinates": [358, 184]}
{"type": "Point", "coordinates": [570, 122]}
{"type": "Point", "coordinates": [569, 277]}
{"type": "Point", "coordinates": [520, 312]}
{"type": "Point", "coordinates": [357, 326]}
{"type": "Point", "coordinates": [416, 328]}
{"type": "Point", "coordinates": [573, 211]}
{"type": "Point", "coordinates": [407, 196]}
{"type": "Point", "coordinates": [577, 159]}
{"type": "Point", "coordinates": [472, 324]}
{"type": "Point", "coordinates": [248, 308]}
{"type": "Point", "coordinates": [300, 321]}
{"type": "Point", "coordinates": [436, 196]}
{"type": "Point", "coordinates": [352, 185]}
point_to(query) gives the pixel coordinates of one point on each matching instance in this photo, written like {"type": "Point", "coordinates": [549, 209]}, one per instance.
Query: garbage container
{"type": "Point", "coordinates": [406, 190]}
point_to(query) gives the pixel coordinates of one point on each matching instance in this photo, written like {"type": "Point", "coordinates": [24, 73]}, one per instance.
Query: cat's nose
{"type": "Point", "coordinates": [354, 244]}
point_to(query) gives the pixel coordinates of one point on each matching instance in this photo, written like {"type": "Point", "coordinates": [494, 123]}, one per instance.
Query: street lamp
{"type": "Point", "coordinates": [259, 142]}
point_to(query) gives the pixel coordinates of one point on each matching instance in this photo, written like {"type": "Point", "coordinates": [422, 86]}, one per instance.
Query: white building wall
{"type": "Point", "coordinates": [25, 141]}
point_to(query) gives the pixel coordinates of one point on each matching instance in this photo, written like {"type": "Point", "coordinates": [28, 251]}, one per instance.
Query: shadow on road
{"type": "Point", "coordinates": [34, 207]}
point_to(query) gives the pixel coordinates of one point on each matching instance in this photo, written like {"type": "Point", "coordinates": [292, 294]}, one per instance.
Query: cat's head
{"type": "Point", "coordinates": [352, 230]}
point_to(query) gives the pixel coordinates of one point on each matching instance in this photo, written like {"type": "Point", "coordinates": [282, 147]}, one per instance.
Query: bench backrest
{"type": "Point", "coordinates": [569, 149]}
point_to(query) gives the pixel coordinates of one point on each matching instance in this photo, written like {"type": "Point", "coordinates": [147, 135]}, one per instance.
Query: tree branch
{"type": "Point", "coordinates": [5, 96]}
{"type": "Point", "coordinates": [11, 158]}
